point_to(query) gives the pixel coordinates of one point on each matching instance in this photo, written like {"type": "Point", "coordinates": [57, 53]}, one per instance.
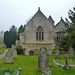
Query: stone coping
{"type": "Point", "coordinates": [60, 64]}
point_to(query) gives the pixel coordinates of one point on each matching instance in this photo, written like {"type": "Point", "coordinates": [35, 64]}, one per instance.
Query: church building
{"type": "Point", "coordinates": [40, 31]}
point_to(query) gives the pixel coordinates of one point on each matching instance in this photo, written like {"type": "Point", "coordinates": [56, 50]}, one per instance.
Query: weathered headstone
{"type": "Point", "coordinates": [7, 73]}
{"type": "Point", "coordinates": [26, 52]}
{"type": "Point", "coordinates": [57, 53]}
{"type": "Point", "coordinates": [47, 72]}
{"type": "Point", "coordinates": [36, 51]}
{"type": "Point", "coordinates": [43, 59]}
{"type": "Point", "coordinates": [66, 67]}
{"type": "Point", "coordinates": [71, 52]}
{"type": "Point", "coordinates": [9, 57]}
{"type": "Point", "coordinates": [14, 51]}
{"type": "Point", "coordinates": [49, 51]}
{"type": "Point", "coordinates": [13, 46]}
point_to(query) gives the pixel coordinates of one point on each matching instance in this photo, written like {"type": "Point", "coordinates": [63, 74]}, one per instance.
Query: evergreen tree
{"type": "Point", "coordinates": [6, 38]}
{"type": "Point", "coordinates": [10, 36]}
{"type": "Point", "coordinates": [72, 33]}
{"type": "Point", "coordinates": [20, 30]}
{"type": "Point", "coordinates": [69, 41]}
{"type": "Point", "coordinates": [72, 15]}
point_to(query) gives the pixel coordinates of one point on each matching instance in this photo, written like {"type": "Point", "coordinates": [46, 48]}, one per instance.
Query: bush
{"type": "Point", "coordinates": [59, 48]}
{"type": "Point", "coordinates": [11, 70]}
{"type": "Point", "coordinates": [19, 49]}
{"type": "Point", "coordinates": [64, 43]}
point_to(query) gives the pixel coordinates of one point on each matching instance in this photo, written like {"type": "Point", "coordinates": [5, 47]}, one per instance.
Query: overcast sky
{"type": "Point", "coordinates": [17, 12]}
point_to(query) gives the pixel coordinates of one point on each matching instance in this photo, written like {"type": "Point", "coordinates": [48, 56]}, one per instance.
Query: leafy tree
{"type": "Point", "coordinates": [69, 41]}
{"type": "Point", "coordinates": [19, 49]}
{"type": "Point", "coordinates": [64, 43]}
{"type": "Point", "coordinates": [72, 15]}
{"type": "Point", "coordinates": [71, 38]}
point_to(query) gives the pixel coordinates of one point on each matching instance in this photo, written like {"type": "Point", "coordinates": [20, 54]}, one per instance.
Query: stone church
{"type": "Point", "coordinates": [40, 31]}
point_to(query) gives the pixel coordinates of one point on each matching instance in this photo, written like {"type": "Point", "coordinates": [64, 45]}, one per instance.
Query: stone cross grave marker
{"type": "Point", "coordinates": [36, 51]}
{"type": "Point", "coordinates": [66, 67]}
{"type": "Point", "coordinates": [9, 57]}
{"type": "Point", "coordinates": [14, 51]}
{"type": "Point", "coordinates": [71, 52]}
{"type": "Point", "coordinates": [43, 59]}
{"type": "Point", "coordinates": [49, 51]}
{"type": "Point", "coordinates": [13, 46]}
{"type": "Point", "coordinates": [57, 53]}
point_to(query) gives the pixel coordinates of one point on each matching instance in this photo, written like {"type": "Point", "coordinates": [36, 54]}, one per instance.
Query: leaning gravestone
{"type": "Point", "coordinates": [57, 53]}
{"type": "Point", "coordinates": [66, 67]}
{"type": "Point", "coordinates": [49, 51]}
{"type": "Point", "coordinates": [47, 72]}
{"type": "Point", "coordinates": [26, 52]}
{"type": "Point", "coordinates": [9, 57]}
{"type": "Point", "coordinates": [43, 59]}
{"type": "Point", "coordinates": [7, 73]}
{"type": "Point", "coordinates": [71, 52]}
{"type": "Point", "coordinates": [14, 51]}
{"type": "Point", "coordinates": [36, 51]}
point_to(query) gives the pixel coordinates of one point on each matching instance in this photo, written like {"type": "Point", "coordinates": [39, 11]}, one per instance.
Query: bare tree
{"type": "Point", "coordinates": [1, 33]}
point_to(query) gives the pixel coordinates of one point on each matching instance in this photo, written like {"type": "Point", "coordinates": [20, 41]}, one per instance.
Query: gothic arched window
{"type": "Point", "coordinates": [59, 36]}
{"type": "Point", "coordinates": [39, 33]}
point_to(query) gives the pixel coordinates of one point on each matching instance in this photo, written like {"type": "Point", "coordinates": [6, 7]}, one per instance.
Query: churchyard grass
{"type": "Point", "coordinates": [29, 65]}
{"type": "Point", "coordinates": [2, 50]}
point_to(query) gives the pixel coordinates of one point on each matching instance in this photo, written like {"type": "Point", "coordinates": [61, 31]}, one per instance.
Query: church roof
{"type": "Point", "coordinates": [39, 11]}
{"type": "Point", "coordinates": [61, 20]}
{"type": "Point", "coordinates": [51, 19]}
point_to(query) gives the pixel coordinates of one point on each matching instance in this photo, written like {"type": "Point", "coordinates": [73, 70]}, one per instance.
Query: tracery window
{"type": "Point", "coordinates": [59, 36]}
{"type": "Point", "coordinates": [39, 33]}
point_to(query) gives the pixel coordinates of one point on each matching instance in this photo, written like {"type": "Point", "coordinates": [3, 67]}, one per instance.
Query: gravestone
{"type": "Point", "coordinates": [36, 51]}
{"type": "Point", "coordinates": [47, 72]}
{"type": "Point", "coordinates": [71, 52]}
{"type": "Point", "coordinates": [43, 59]}
{"type": "Point", "coordinates": [26, 52]}
{"type": "Point", "coordinates": [13, 46]}
{"type": "Point", "coordinates": [7, 73]}
{"type": "Point", "coordinates": [57, 53]}
{"type": "Point", "coordinates": [49, 51]}
{"type": "Point", "coordinates": [14, 51]}
{"type": "Point", "coordinates": [66, 67]}
{"type": "Point", "coordinates": [9, 57]}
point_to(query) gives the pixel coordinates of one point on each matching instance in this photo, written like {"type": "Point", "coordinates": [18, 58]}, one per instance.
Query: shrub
{"type": "Point", "coordinates": [59, 48]}
{"type": "Point", "coordinates": [19, 49]}
{"type": "Point", "coordinates": [12, 71]}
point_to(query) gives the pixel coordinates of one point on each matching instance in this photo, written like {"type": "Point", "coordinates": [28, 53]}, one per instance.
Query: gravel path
{"type": "Point", "coordinates": [3, 55]}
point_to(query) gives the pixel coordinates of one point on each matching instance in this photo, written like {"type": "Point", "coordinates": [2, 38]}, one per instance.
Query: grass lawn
{"type": "Point", "coordinates": [29, 64]}
{"type": "Point", "coordinates": [2, 50]}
